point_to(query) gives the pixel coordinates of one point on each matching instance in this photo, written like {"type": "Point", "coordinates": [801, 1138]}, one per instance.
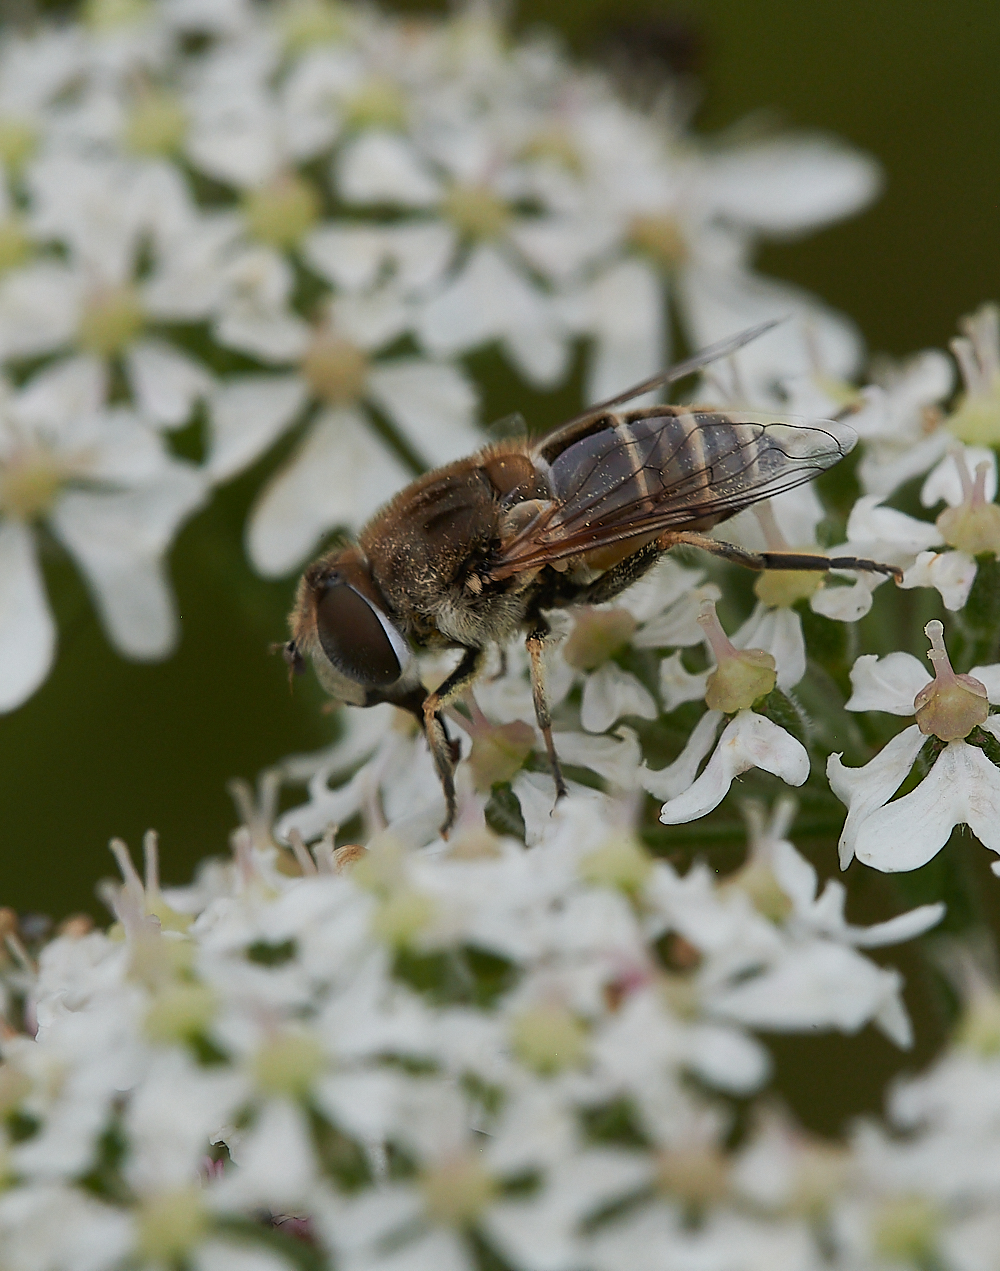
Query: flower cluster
{"type": "Point", "coordinates": [301, 217]}
{"type": "Point", "coordinates": [390, 1058]}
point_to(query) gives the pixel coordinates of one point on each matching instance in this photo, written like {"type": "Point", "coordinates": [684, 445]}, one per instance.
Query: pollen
{"type": "Point", "coordinates": [952, 705]}
{"type": "Point", "coordinates": [283, 210]}
{"type": "Point", "coordinates": [111, 319]}
{"type": "Point", "coordinates": [335, 368]}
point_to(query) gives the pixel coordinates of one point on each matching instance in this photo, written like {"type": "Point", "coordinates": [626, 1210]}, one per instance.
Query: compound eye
{"type": "Point", "coordinates": [354, 638]}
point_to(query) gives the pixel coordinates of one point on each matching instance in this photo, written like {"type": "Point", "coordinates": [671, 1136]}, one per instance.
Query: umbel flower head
{"type": "Point", "coordinates": [963, 784]}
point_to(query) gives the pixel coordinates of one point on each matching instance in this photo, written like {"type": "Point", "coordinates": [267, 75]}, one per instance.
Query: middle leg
{"type": "Point", "coordinates": [437, 739]}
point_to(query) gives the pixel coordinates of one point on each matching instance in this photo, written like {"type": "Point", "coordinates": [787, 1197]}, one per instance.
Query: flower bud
{"type": "Point", "coordinates": [951, 706]}
{"type": "Point", "coordinates": [741, 676]}
{"type": "Point", "coordinates": [597, 635]}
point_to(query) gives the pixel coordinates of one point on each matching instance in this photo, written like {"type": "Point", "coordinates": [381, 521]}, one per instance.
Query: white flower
{"type": "Point", "coordinates": [105, 485]}
{"type": "Point", "coordinates": [962, 786]}
{"type": "Point", "coordinates": [341, 471]}
{"type": "Point", "coordinates": [93, 302]}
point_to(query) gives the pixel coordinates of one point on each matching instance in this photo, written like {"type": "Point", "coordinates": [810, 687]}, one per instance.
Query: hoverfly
{"type": "Point", "coordinates": [476, 551]}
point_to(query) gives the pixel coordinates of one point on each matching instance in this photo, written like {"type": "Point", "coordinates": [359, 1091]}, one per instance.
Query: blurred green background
{"type": "Point", "coordinates": [111, 748]}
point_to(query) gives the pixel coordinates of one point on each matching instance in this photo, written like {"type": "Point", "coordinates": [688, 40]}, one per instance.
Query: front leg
{"type": "Point", "coordinates": [441, 748]}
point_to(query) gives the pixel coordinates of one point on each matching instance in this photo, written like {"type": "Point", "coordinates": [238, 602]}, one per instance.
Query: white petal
{"type": "Point", "coordinates": [871, 523]}
{"type": "Point", "coordinates": [623, 312]}
{"type": "Point", "coordinates": [610, 693]}
{"type": "Point", "coordinates": [372, 319]}
{"type": "Point", "coordinates": [119, 540]}
{"type": "Point", "coordinates": [846, 604]}
{"type": "Point", "coordinates": [276, 1168]}
{"type": "Point", "coordinates": [224, 1255]}
{"type": "Point", "coordinates": [678, 685]}
{"type": "Point", "coordinates": [338, 476]}
{"type": "Point", "coordinates": [886, 684]}
{"type": "Point", "coordinates": [432, 403]}
{"type": "Point", "coordinates": [59, 394]}
{"type": "Point", "coordinates": [789, 185]}
{"type": "Point", "coordinates": [668, 782]}
{"type": "Point", "coordinates": [239, 143]}
{"type": "Point", "coordinates": [899, 929]}
{"type": "Point", "coordinates": [748, 741]}
{"type": "Point", "coordinates": [246, 414]}
{"type": "Point", "coordinates": [952, 573]}
{"type": "Point", "coordinates": [560, 247]}
{"type": "Point", "coordinates": [677, 626]}
{"type": "Point", "coordinates": [536, 794]}
{"type": "Point", "coordinates": [380, 167]}
{"type": "Point", "coordinates": [963, 788]}
{"type": "Point", "coordinates": [989, 677]}
{"type": "Point", "coordinates": [867, 788]}
{"type": "Point", "coordinates": [716, 303]}
{"type": "Point", "coordinates": [39, 309]}
{"type": "Point", "coordinates": [616, 760]}
{"type": "Point", "coordinates": [796, 875]}
{"type": "Point", "coordinates": [355, 257]}
{"type": "Point", "coordinates": [166, 382]}
{"type": "Point", "coordinates": [27, 632]}
{"type": "Point", "coordinates": [944, 482]}
{"type": "Point", "coordinates": [778, 632]}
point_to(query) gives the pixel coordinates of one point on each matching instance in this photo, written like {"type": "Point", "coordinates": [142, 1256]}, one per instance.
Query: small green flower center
{"type": "Point", "coordinates": [475, 211]}
{"type": "Point", "coordinates": [288, 1064]}
{"type": "Point", "coordinates": [403, 917]}
{"type": "Point", "coordinates": [156, 125]}
{"type": "Point", "coordinates": [283, 211]}
{"type": "Point", "coordinates": [111, 319]}
{"type": "Point", "coordinates": [457, 1191]}
{"type": "Point", "coordinates": [659, 237]}
{"type": "Point", "coordinates": [18, 142]}
{"type": "Point", "coordinates": [756, 879]}
{"type": "Point", "coordinates": [905, 1229]}
{"type": "Point", "coordinates": [113, 15]}
{"type": "Point", "coordinates": [976, 418]}
{"type": "Point", "coordinates": [781, 588]}
{"type": "Point", "coordinates": [179, 1012]}
{"type": "Point", "coordinates": [304, 24]}
{"type": "Point", "coordinates": [597, 635]}
{"type": "Point", "coordinates": [335, 369]}
{"type": "Point", "coordinates": [973, 526]}
{"type": "Point", "coordinates": [169, 1225]}
{"type": "Point", "coordinates": [697, 1175]}
{"type": "Point", "coordinates": [553, 145]}
{"type": "Point", "coordinates": [30, 481]}
{"type": "Point", "coordinates": [621, 862]}
{"type": "Point", "coordinates": [378, 103]}
{"type": "Point", "coordinates": [549, 1038]}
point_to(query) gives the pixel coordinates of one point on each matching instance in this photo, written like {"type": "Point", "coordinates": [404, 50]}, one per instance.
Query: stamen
{"type": "Point", "coordinates": [741, 675]}
{"type": "Point", "coordinates": [952, 705]}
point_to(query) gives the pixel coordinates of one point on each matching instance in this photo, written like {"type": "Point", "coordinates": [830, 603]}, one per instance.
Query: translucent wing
{"type": "Point", "coordinates": [667, 467]}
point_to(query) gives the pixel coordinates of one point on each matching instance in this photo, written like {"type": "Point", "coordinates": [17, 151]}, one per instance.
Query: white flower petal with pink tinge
{"type": "Point", "coordinates": [748, 741]}
{"type": "Point", "coordinates": [610, 693]}
{"type": "Point", "coordinates": [952, 573]}
{"type": "Point", "coordinates": [864, 790]}
{"type": "Point", "coordinates": [338, 476]}
{"type": "Point", "coordinates": [27, 632]}
{"type": "Point", "coordinates": [886, 684]}
{"type": "Point", "coordinates": [962, 788]}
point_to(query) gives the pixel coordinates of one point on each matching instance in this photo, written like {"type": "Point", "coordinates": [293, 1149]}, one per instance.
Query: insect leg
{"type": "Point", "coordinates": [621, 576]}
{"type": "Point", "coordinates": [534, 643]}
{"type": "Point", "coordinates": [441, 748]}
{"type": "Point", "coordinates": [776, 560]}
